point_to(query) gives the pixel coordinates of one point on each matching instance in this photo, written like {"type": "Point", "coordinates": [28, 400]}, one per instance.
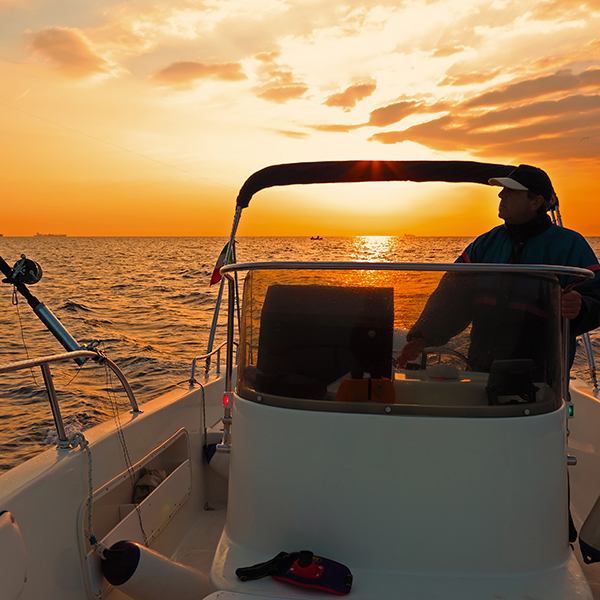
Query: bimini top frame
{"type": "Point", "coordinates": [352, 171]}
{"type": "Point", "coordinates": [355, 171]}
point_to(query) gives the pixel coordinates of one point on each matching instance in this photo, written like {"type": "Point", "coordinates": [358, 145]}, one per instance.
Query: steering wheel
{"type": "Point", "coordinates": [439, 350]}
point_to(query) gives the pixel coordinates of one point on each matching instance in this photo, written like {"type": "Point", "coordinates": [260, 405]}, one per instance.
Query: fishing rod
{"type": "Point", "coordinates": [28, 272]}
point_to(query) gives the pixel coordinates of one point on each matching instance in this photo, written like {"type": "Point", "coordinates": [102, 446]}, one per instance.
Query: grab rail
{"type": "Point", "coordinates": [207, 358]}
{"type": "Point", "coordinates": [533, 269]}
{"type": "Point", "coordinates": [587, 345]}
{"type": "Point", "coordinates": [44, 361]}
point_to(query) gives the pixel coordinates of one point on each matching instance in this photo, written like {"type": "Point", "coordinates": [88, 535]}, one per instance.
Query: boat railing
{"type": "Point", "coordinates": [207, 358]}
{"type": "Point", "coordinates": [44, 361]}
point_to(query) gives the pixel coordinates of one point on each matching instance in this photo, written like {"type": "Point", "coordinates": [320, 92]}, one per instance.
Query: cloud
{"type": "Point", "coordinates": [447, 50]}
{"type": "Point", "coordinates": [188, 71]}
{"type": "Point", "coordinates": [281, 94]}
{"type": "Point", "coordinates": [69, 51]}
{"type": "Point", "coordinates": [470, 78]}
{"type": "Point", "coordinates": [392, 113]}
{"type": "Point", "coordinates": [566, 128]}
{"type": "Point", "coordinates": [535, 111]}
{"type": "Point", "coordinates": [337, 128]}
{"type": "Point", "coordinates": [279, 81]}
{"type": "Point", "coordinates": [298, 135]}
{"type": "Point", "coordinates": [556, 114]}
{"type": "Point", "coordinates": [384, 116]}
{"type": "Point", "coordinates": [280, 76]}
{"type": "Point", "coordinates": [563, 138]}
{"type": "Point", "coordinates": [121, 40]}
{"type": "Point", "coordinates": [560, 81]}
{"type": "Point", "coordinates": [234, 29]}
{"type": "Point", "coordinates": [564, 9]}
{"type": "Point", "coordinates": [351, 95]}
{"type": "Point", "coordinates": [268, 57]}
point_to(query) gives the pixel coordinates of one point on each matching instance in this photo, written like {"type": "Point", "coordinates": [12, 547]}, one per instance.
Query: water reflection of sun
{"type": "Point", "coordinates": [372, 248]}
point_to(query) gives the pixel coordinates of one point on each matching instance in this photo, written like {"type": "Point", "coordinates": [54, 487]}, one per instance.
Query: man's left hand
{"type": "Point", "coordinates": [571, 304]}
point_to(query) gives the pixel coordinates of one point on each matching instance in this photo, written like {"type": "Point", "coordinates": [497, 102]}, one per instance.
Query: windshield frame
{"type": "Point", "coordinates": [229, 272]}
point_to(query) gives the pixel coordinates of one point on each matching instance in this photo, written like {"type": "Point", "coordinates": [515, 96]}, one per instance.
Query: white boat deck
{"type": "Point", "coordinates": [197, 547]}
{"type": "Point", "coordinates": [592, 573]}
{"type": "Point", "coordinates": [202, 532]}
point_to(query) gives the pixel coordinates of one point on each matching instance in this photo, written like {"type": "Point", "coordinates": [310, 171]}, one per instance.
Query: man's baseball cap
{"type": "Point", "coordinates": [530, 179]}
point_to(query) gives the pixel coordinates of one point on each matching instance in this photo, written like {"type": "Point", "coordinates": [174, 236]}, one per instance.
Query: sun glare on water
{"type": "Point", "coordinates": [372, 248]}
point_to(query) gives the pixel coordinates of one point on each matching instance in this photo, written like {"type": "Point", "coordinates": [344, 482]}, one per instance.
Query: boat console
{"type": "Point", "coordinates": [458, 452]}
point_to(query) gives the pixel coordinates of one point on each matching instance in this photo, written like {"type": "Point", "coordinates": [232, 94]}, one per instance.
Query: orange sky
{"type": "Point", "coordinates": [145, 118]}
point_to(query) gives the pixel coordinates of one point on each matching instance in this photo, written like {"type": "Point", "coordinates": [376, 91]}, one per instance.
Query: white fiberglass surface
{"type": "Point", "coordinates": [412, 496]}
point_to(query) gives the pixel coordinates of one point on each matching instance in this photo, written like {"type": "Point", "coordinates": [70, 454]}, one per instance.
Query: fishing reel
{"type": "Point", "coordinates": [25, 271]}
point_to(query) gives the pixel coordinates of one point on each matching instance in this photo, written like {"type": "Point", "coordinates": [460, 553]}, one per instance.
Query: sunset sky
{"type": "Point", "coordinates": [145, 118]}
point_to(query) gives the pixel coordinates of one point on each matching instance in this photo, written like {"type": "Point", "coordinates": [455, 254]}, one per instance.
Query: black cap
{"type": "Point", "coordinates": [531, 179]}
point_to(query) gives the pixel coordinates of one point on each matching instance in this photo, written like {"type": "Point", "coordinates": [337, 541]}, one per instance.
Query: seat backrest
{"type": "Point", "coordinates": [311, 335]}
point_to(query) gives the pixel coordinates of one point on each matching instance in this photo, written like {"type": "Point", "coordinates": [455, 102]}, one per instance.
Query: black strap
{"type": "Point", "coordinates": [264, 569]}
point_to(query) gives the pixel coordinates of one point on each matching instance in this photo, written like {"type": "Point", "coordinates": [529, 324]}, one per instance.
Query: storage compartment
{"type": "Point", "coordinates": [116, 517]}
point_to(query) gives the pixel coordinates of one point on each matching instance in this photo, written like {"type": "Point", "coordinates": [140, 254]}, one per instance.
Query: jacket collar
{"type": "Point", "coordinates": [525, 231]}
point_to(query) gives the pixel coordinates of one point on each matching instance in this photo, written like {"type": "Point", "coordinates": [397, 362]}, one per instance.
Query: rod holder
{"type": "Point", "coordinates": [63, 441]}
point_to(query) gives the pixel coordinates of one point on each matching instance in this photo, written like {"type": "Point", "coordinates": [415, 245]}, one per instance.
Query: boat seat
{"type": "Point", "coordinates": [311, 335]}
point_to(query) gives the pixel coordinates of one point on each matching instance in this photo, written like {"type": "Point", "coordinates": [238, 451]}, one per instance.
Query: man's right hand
{"type": "Point", "coordinates": [570, 304]}
{"type": "Point", "coordinates": [411, 351]}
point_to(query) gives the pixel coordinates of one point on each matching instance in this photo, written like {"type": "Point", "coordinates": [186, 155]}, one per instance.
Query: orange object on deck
{"type": "Point", "coordinates": [353, 390]}
{"type": "Point", "coordinates": [366, 390]}
{"type": "Point", "coordinates": [382, 390]}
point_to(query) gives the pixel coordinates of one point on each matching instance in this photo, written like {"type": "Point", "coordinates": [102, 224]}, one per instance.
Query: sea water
{"type": "Point", "coordinates": [149, 304]}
